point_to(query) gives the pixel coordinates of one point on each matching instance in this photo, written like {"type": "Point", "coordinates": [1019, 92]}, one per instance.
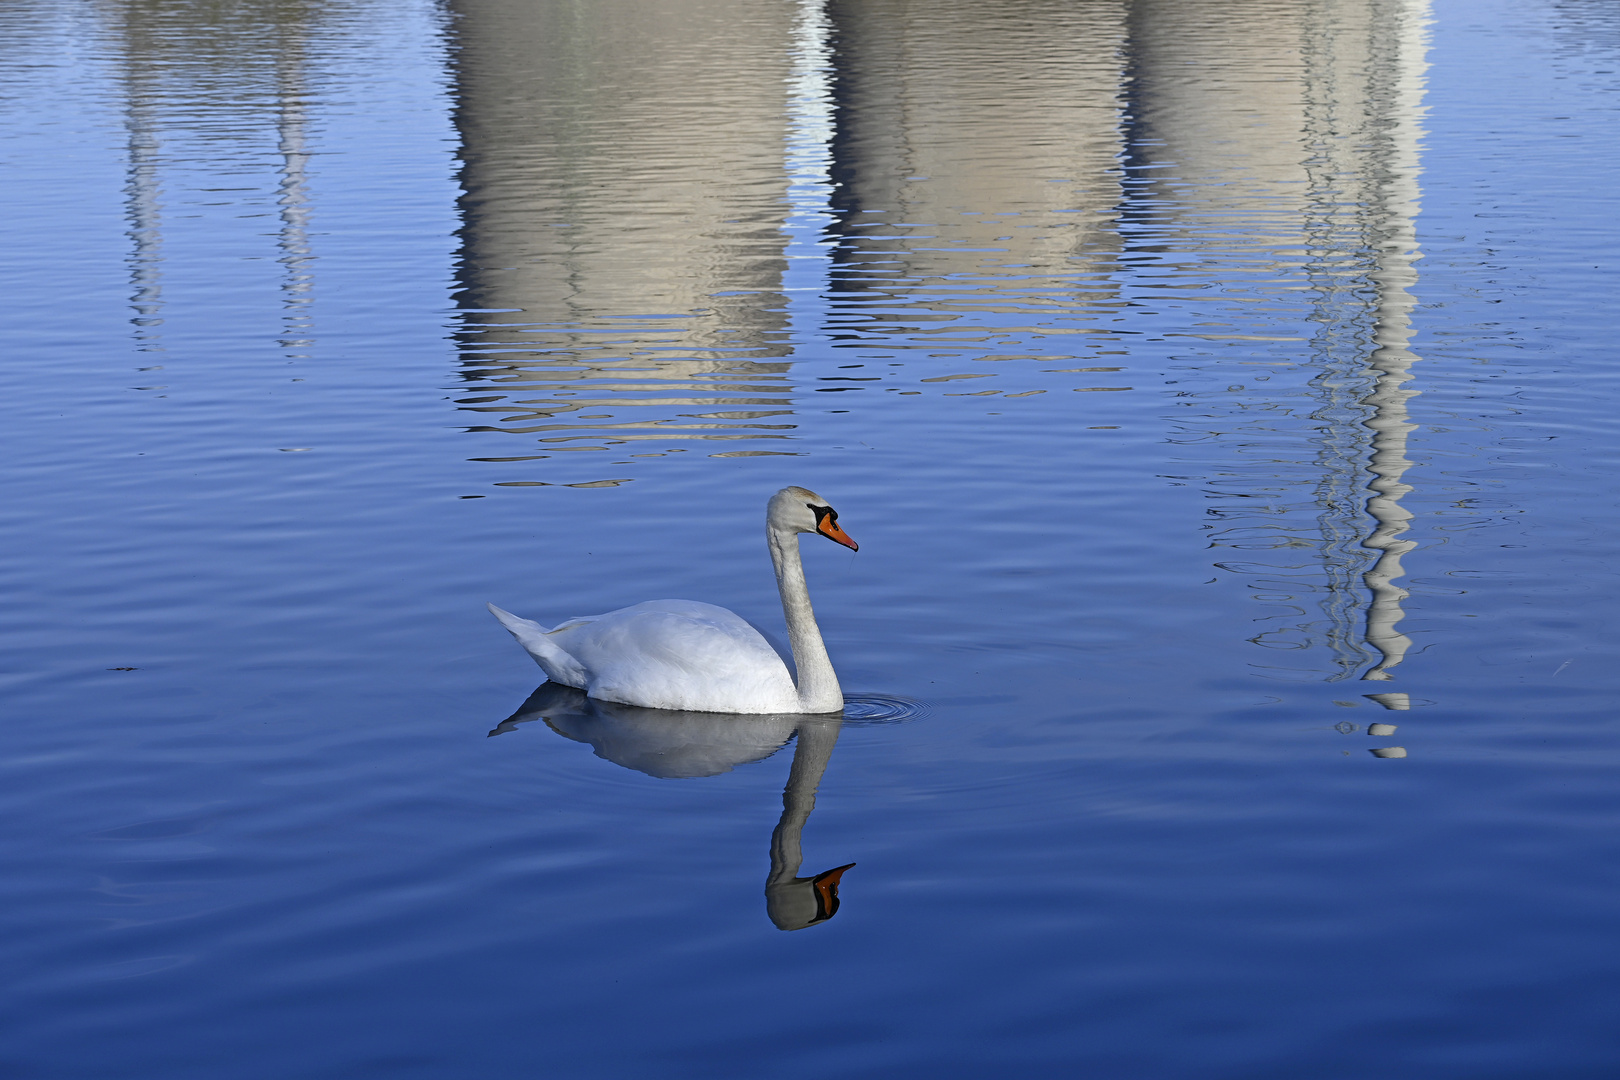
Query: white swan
{"type": "Point", "coordinates": [682, 654]}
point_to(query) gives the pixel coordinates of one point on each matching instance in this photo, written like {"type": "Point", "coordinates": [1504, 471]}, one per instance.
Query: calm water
{"type": "Point", "coordinates": [1205, 384]}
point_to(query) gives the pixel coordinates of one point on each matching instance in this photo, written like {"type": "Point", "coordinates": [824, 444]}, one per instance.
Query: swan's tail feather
{"type": "Point", "coordinates": [553, 660]}
{"type": "Point", "coordinates": [515, 623]}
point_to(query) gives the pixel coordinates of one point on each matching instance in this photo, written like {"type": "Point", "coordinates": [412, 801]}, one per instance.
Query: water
{"type": "Point", "coordinates": [1204, 386]}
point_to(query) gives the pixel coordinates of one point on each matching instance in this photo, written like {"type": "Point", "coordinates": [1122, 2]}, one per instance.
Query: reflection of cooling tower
{"type": "Point", "coordinates": [625, 197]}
{"type": "Point", "coordinates": [623, 164]}
{"type": "Point", "coordinates": [1217, 105]}
{"type": "Point", "coordinates": [976, 151]}
{"type": "Point", "coordinates": [1265, 124]}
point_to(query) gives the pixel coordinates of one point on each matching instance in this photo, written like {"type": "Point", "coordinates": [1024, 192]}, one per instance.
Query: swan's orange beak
{"type": "Point", "coordinates": [829, 528]}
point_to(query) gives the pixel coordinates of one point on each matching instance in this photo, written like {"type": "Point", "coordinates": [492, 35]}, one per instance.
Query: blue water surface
{"type": "Point", "coordinates": [1205, 384]}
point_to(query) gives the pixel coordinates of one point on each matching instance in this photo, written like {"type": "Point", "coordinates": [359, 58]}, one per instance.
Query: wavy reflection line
{"type": "Point", "coordinates": [292, 194]}
{"type": "Point", "coordinates": [1368, 62]}
{"type": "Point", "coordinates": [143, 206]}
{"type": "Point", "coordinates": [1392, 360]}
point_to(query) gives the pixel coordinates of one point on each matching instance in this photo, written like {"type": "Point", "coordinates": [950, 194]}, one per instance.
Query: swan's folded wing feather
{"type": "Point", "coordinates": [680, 654]}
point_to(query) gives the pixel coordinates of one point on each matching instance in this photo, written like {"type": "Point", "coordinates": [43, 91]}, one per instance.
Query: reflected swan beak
{"type": "Point", "coordinates": [829, 528]}
{"type": "Point", "coordinates": [826, 885]}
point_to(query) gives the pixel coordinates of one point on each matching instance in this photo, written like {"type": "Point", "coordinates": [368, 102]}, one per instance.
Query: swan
{"type": "Point", "coordinates": [682, 654]}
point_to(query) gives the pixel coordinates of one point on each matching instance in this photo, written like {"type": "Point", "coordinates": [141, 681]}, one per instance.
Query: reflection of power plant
{"type": "Point", "coordinates": [1288, 135]}
{"type": "Point", "coordinates": [622, 291]}
{"type": "Point", "coordinates": [684, 745]}
{"type": "Point", "coordinates": [1397, 246]}
{"type": "Point", "coordinates": [143, 191]}
{"type": "Point", "coordinates": [975, 158]}
{"type": "Point", "coordinates": [251, 51]}
{"type": "Point", "coordinates": [292, 196]}
{"type": "Point", "coordinates": [143, 210]}
{"type": "Point", "coordinates": [622, 240]}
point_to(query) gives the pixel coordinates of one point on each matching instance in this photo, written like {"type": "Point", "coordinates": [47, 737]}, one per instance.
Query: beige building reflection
{"type": "Point", "coordinates": [1289, 134]}
{"type": "Point", "coordinates": [687, 745]}
{"type": "Point", "coordinates": [976, 170]}
{"type": "Point", "coordinates": [177, 59]}
{"type": "Point", "coordinates": [624, 199]}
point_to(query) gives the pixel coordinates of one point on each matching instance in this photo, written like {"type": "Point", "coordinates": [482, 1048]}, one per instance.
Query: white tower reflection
{"type": "Point", "coordinates": [1397, 247]}
{"type": "Point", "coordinates": [292, 190]}
{"type": "Point", "coordinates": [1282, 140]}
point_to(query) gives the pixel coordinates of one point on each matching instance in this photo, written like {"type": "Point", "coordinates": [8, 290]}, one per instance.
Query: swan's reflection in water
{"type": "Point", "coordinates": [681, 745]}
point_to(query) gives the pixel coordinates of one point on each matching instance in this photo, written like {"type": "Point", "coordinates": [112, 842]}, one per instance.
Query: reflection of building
{"type": "Point", "coordinates": [1283, 139]}
{"type": "Point", "coordinates": [1218, 118]}
{"type": "Point", "coordinates": [292, 195]}
{"type": "Point", "coordinates": [625, 193]}
{"type": "Point", "coordinates": [177, 58]}
{"type": "Point", "coordinates": [975, 160]}
{"type": "Point", "coordinates": [1395, 239]}
{"type": "Point", "coordinates": [143, 209]}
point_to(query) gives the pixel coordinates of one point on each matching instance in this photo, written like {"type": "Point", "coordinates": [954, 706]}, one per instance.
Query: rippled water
{"type": "Point", "coordinates": [1206, 385]}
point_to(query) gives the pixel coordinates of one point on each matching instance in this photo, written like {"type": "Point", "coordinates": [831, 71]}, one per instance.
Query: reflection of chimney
{"type": "Point", "coordinates": [1363, 73]}
{"type": "Point", "coordinates": [223, 53]}
{"type": "Point", "coordinates": [291, 193]}
{"type": "Point", "coordinates": [1297, 128]}
{"type": "Point", "coordinates": [792, 902]}
{"type": "Point", "coordinates": [809, 152]}
{"type": "Point", "coordinates": [1395, 237]}
{"type": "Point", "coordinates": [142, 207]}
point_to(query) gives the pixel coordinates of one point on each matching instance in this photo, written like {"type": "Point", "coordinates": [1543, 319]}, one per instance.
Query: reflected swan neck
{"type": "Point", "coordinates": [812, 750]}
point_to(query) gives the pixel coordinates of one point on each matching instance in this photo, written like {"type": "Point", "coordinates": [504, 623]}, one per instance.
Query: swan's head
{"type": "Point", "coordinates": [800, 510]}
{"type": "Point", "coordinates": [802, 902]}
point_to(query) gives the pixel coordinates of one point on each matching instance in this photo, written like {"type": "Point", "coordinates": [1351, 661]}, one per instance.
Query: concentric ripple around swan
{"type": "Point", "coordinates": [881, 709]}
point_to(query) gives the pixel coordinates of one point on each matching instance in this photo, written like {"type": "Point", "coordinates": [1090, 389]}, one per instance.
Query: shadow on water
{"type": "Point", "coordinates": [674, 745]}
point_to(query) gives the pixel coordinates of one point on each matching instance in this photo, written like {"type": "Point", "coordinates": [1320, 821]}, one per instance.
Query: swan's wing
{"type": "Point", "coordinates": [778, 646]}
{"type": "Point", "coordinates": [680, 654]}
{"type": "Point", "coordinates": [553, 659]}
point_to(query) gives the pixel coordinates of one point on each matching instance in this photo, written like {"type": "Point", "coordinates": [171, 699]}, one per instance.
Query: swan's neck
{"type": "Point", "coordinates": [818, 685]}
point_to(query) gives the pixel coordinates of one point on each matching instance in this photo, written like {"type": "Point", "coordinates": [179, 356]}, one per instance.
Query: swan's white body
{"type": "Point", "coordinates": [682, 654]}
